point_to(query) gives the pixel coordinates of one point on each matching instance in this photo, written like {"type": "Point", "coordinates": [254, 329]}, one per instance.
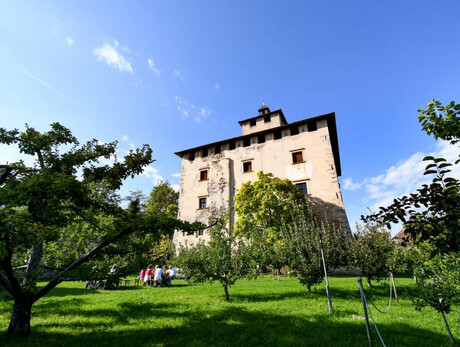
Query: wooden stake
{"type": "Point", "coordinates": [394, 286]}
{"type": "Point", "coordinates": [366, 318]}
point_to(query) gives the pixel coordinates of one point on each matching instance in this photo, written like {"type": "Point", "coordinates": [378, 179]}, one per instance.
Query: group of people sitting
{"type": "Point", "coordinates": [160, 276]}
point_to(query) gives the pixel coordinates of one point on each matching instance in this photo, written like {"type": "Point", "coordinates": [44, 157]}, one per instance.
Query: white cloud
{"type": "Point", "coordinates": [403, 178]}
{"type": "Point", "coordinates": [69, 41]}
{"type": "Point", "coordinates": [109, 53]}
{"type": "Point", "coordinates": [348, 184]}
{"type": "Point", "coordinates": [125, 139]}
{"type": "Point", "coordinates": [176, 187]}
{"type": "Point", "coordinates": [153, 67]}
{"type": "Point", "coordinates": [176, 175]}
{"type": "Point", "coordinates": [216, 86]}
{"type": "Point", "coordinates": [182, 106]}
{"type": "Point", "coordinates": [203, 113]}
{"type": "Point", "coordinates": [178, 74]}
{"type": "Point", "coordinates": [152, 173]}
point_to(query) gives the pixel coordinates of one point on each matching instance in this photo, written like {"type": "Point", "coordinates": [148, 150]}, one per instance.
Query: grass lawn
{"type": "Point", "coordinates": [261, 312]}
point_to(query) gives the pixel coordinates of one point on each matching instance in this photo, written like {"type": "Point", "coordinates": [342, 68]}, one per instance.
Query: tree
{"type": "Point", "coordinates": [163, 200]}
{"type": "Point", "coordinates": [431, 216]}
{"type": "Point", "coordinates": [264, 208]}
{"type": "Point", "coordinates": [224, 258]}
{"type": "Point", "coordinates": [372, 249]}
{"type": "Point", "coordinates": [302, 240]}
{"type": "Point", "coordinates": [432, 213]}
{"type": "Point", "coordinates": [61, 212]}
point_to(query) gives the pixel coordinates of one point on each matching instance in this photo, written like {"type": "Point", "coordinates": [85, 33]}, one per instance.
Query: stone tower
{"type": "Point", "coordinates": [305, 152]}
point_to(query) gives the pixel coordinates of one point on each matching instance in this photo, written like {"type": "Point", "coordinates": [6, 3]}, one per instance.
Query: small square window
{"type": "Point", "coordinates": [202, 203]}
{"type": "Point", "coordinates": [261, 138]}
{"type": "Point", "coordinates": [232, 145]}
{"type": "Point", "coordinates": [267, 119]}
{"type": "Point", "coordinates": [252, 122]}
{"type": "Point", "coordinates": [302, 187]}
{"type": "Point", "coordinates": [200, 232]}
{"type": "Point", "coordinates": [203, 175]}
{"type": "Point", "coordinates": [297, 157]}
{"type": "Point", "coordinates": [247, 142]}
{"type": "Point", "coordinates": [277, 134]}
{"type": "Point", "coordinates": [247, 166]}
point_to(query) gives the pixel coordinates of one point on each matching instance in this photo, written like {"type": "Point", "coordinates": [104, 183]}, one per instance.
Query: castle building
{"type": "Point", "coordinates": [305, 152]}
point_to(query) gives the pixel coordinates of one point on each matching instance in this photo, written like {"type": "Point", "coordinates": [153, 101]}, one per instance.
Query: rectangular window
{"type": "Point", "coordinates": [200, 232]}
{"type": "Point", "coordinates": [252, 122]}
{"type": "Point", "coordinates": [203, 175]}
{"type": "Point", "coordinates": [302, 187]}
{"type": "Point", "coordinates": [217, 149]}
{"type": "Point", "coordinates": [247, 166]}
{"type": "Point", "coordinates": [277, 134]}
{"type": "Point", "coordinates": [205, 153]}
{"type": "Point", "coordinates": [261, 138]}
{"type": "Point", "coordinates": [312, 126]}
{"type": "Point", "coordinates": [294, 130]}
{"type": "Point", "coordinates": [297, 157]}
{"type": "Point", "coordinates": [247, 142]}
{"type": "Point", "coordinates": [232, 145]}
{"type": "Point", "coordinates": [202, 203]}
{"type": "Point", "coordinates": [267, 119]}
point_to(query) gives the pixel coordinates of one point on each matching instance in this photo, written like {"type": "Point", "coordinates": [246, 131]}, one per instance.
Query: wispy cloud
{"type": "Point", "coordinates": [125, 139]}
{"type": "Point", "coordinates": [183, 106]}
{"type": "Point", "coordinates": [152, 173]}
{"type": "Point", "coordinates": [403, 178]}
{"type": "Point", "coordinates": [109, 52]}
{"type": "Point", "coordinates": [178, 74]}
{"type": "Point", "coordinates": [44, 83]}
{"type": "Point", "coordinates": [216, 86]}
{"type": "Point", "coordinates": [69, 41]}
{"type": "Point", "coordinates": [186, 109]}
{"type": "Point", "coordinates": [203, 113]}
{"type": "Point", "coordinates": [176, 175]}
{"type": "Point", "coordinates": [152, 67]}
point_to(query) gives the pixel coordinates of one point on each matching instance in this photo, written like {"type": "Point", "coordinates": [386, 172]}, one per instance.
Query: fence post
{"type": "Point", "coordinates": [394, 286]}
{"type": "Point", "coordinates": [329, 300]}
{"type": "Point", "coordinates": [366, 318]}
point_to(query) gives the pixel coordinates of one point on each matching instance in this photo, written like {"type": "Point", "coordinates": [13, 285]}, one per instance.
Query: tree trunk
{"type": "Point", "coordinates": [278, 274]}
{"type": "Point", "coordinates": [308, 285]}
{"type": "Point", "coordinates": [20, 318]}
{"type": "Point", "coordinates": [227, 296]}
{"type": "Point", "coordinates": [369, 284]}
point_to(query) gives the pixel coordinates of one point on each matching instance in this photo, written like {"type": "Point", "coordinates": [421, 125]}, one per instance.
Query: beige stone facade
{"type": "Point", "coordinates": [305, 152]}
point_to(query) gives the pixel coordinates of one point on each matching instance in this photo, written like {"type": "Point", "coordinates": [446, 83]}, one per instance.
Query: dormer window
{"type": "Point", "coordinates": [267, 119]}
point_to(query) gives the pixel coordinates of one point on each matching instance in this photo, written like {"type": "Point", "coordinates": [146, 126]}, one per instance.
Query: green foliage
{"type": "Point", "coordinates": [432, 213]}
{"type": "Point", "coordinates": [438, 279]}
{"type": "Point", "coordinates": [224, 258]}
{"type": "Point", "coordinates": [265, 206]}
{"type": "Point", "coordinates": [443, 122]}
{"type": "Point", "coordinates": [302, 240]}
{"type": "Point", "coordinates": [62, 212]}
{"type": "Point", "coordinates": [163, 200]}
{"type": "Point", "coordinates": [372, 249]}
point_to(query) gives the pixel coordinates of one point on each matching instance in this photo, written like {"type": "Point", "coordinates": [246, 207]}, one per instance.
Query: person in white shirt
{"type": "Point", "coordinates": [171, 274]}
{"type": "Point", "coordinates": [157, 276]}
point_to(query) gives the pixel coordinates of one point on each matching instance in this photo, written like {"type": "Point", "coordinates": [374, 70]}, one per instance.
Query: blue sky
{"type": "Point", "coordinates": [177, 74]}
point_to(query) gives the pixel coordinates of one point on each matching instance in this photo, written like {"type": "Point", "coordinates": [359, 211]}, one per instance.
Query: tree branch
{"type": "Point", "coordinates": [58, 278]}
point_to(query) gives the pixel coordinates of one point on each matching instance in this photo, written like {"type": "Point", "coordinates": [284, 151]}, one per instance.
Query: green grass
{"type": "Point", "coordinates": [261, 312]}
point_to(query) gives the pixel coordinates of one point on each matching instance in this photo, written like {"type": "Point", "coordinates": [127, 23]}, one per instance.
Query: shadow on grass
{"type": "Point", "coordinates": [231, 326]}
